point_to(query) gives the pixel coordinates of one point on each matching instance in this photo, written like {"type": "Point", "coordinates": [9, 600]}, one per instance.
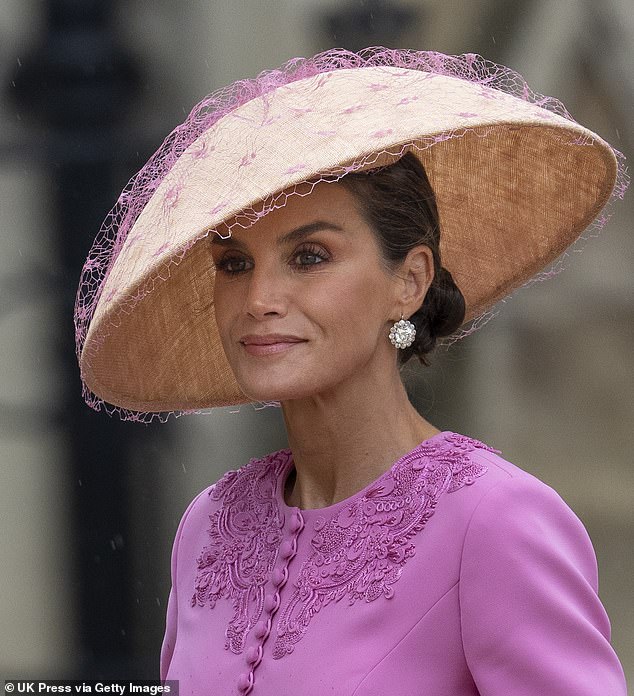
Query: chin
{"type": "Point", "coordinates": [276, 391]}
{"type": "Point", "coordinates": [280, 384]}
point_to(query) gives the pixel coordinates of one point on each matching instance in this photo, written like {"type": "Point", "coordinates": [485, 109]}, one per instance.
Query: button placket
{"type": "Point", "coordinates": [262, 629]}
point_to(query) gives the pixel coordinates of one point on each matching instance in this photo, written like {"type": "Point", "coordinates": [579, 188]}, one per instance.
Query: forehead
{"type": "Point", "coordinates": [324, 203]}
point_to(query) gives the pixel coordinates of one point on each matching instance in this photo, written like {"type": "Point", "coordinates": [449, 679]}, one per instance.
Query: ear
{"type": "Point", "coordinates": [416, 275]}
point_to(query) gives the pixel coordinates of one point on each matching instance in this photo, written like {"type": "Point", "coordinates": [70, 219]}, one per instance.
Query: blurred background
{"type": "Point", "coordinates": [90, 505]}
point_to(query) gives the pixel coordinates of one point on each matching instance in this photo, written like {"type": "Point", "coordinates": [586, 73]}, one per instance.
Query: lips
{"type": "Point", "coordinates": [268, 339]}
{"type": "Point", "coordinates": [269, 344]}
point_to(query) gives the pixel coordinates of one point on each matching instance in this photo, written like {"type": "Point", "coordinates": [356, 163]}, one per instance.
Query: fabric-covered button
{"type": "Point", "coordinates": [260, 629]}
{"type": "Point", "coordinates": [271, 603]}
{"type": "Point", "coordinates": [245, 681]}
{"type": "Point", "coordinates": [254, 653]}
{"type": "Point", "coordinates": [279, 576]}
{"type": "Point", "coordinates": [286, 549]}
{"type": "Point", "coordinates": [296, 522]}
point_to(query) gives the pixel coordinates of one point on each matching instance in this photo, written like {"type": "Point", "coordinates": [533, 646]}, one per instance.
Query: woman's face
{"type": "Point", "coordinates": [303, 300]}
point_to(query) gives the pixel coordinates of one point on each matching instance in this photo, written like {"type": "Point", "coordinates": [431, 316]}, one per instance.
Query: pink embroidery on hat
{"type": "Point", "coordinates": [467, 114]}
{"type": "Point", "coordinates": [322, 79]}
{"type": "Point", "coordinates": [294, 169]}
{"type": "Point", "coordinates": [378, 86]}
{"type": "Point", "coordinates": [202, 149]}
{"type": "Point", "coordinates": [240, 117]}
{"type": "Point", "coordinates": [164, 247]}
{"type": "Point", "coordinates": [381, 133]}
{"type": "Point", "coordinates": [354, 109]}
{"type": "Point", "coordinates": [247, 159]}
{"type": "Point", "coordinates": [408, 100]}
{"type": "Point", "coordinates": [217, 208]}
{"type": "Point", "coordinates": [171, 196]}
{"type": "Point", "coordinates": [271, 120]}
{"type": "Point", "coordinates": [298, 112]}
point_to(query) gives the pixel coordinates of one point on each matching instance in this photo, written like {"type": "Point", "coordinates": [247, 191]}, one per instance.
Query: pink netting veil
{"type": "Point", "coordinates": [145, 333]}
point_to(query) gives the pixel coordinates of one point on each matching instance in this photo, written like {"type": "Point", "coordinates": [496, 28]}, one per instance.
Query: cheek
{"type": "Point", "coordinates": [357, 305]}
{"type": "Point", "coordinates": [224, 300]}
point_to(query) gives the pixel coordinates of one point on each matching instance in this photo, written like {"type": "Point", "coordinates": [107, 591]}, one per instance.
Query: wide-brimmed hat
{"type": "Point", "coordinates": [517, 181]}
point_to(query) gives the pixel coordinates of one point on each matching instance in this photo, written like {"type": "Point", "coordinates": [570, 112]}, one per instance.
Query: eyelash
{"type": "Point", "coordinates": [224, 264]}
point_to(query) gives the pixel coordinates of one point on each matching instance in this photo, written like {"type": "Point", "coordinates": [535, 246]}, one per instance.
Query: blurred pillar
{"type": "Point", "coordinates": [75, 84]}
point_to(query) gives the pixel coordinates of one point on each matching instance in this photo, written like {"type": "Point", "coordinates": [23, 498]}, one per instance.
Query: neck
{"type": "Point", "coordinates": [345, 439]}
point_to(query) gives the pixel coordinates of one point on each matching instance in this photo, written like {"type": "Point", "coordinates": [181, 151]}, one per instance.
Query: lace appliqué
{"type": "Point", "coordinates": [245, 535]}
{"type": "Point", "coordinates": [360, 553]}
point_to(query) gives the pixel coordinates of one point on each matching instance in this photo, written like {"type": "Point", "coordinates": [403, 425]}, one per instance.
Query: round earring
{"type": "Point", "coordinates": [402, 333]}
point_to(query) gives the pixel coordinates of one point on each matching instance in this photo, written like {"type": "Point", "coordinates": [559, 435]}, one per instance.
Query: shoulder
{"type": "Point", "coordinates": [504, 513]}
{"type": "Point", "coordinates": [507, 490]}
{"type": "Point", "coordinates": [512, 497]}
{"type": "Point", "coordinates": [512, 505]}
{"type": "Point", "coordinates": [496, 491]}
{"type": "Point", "coordinates": [499, 471]}
{"type": "Point", "coordinates": [528, 585]}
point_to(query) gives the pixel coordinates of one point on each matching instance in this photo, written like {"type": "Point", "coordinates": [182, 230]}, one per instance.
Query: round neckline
{"type": "Point", "coordinates": [313, 513]}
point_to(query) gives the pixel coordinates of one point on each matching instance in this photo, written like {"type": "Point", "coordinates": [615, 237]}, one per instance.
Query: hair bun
{"type": "Point", "coordinates": [450, 305]}
{"type": "Point", "coordinates": [441, 313]}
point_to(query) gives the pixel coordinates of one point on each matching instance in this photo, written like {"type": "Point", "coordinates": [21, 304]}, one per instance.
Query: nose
{"type": "Point", "coordinates": [266, 295]}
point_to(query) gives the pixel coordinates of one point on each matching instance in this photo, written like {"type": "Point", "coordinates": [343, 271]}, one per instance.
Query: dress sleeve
{"type": "Point", "coordinates": [532, 622]}
{"type": "Point", "coordinates": [171, 620]}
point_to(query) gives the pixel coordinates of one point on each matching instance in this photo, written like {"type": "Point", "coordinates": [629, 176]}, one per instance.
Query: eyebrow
{"type": "Point", "coordinates": [295, 235]}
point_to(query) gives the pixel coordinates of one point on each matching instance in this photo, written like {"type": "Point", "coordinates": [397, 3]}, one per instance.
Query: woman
{"type": "Point", "coordinates": [377, 554]}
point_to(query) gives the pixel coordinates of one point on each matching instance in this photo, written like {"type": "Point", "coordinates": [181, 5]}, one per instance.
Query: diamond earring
{"type": "Point", "coordinates": [402, 333]}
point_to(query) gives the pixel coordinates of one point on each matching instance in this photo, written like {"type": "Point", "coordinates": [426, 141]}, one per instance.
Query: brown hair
{"type": "Point", "coordinates": [399, 204]}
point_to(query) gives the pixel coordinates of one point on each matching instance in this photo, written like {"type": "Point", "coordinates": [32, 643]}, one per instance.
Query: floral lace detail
{"type": "Point", "coordinates": [360, 553]}
{"type": "Point", "coordinates": [245, 535]}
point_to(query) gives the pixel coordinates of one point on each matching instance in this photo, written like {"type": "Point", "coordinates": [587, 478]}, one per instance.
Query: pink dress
{"type": "Point", "coordinates": [453, 574]}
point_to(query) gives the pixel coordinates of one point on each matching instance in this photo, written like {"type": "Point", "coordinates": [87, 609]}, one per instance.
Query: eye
{"type": "Point", "coordinates": [232, 264]}
{"type": "Point", "coordinates": [308, 256]}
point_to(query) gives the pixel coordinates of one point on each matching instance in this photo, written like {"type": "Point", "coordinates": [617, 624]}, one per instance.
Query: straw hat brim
{"type": "Point", "coordinates": [516, 184]}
